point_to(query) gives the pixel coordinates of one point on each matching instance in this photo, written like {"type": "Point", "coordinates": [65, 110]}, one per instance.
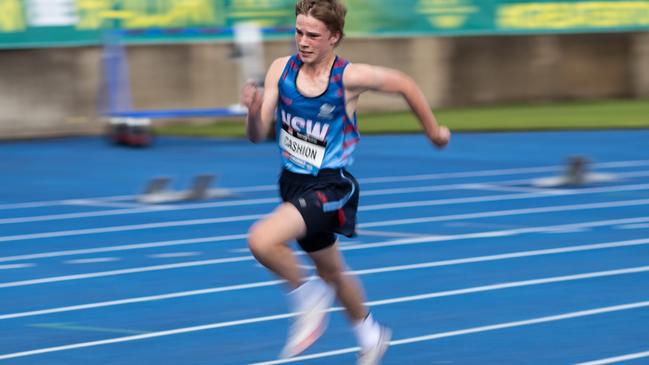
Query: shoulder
{"type": "Point", "coordinates": [275, 71]}
{"type": "Point", "coordinates": [358, 75]}
{"type": "Point", "coordinates": [277, 66]}
{"type": "Point", "coordinates": [280, 62]}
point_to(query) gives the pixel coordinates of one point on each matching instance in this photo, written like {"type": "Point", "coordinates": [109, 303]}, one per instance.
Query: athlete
{"type": "Point", "coordinates": [312, 96]}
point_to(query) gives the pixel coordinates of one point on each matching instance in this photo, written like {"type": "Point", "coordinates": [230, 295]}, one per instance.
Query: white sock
{"type": "Point", "coordinates": [307, 293]}
{"type": "Point", "coordinates": [367, 331]}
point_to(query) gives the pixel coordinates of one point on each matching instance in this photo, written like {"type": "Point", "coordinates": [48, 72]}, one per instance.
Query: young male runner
{"type": "Point", "coordinates": [312, 98]}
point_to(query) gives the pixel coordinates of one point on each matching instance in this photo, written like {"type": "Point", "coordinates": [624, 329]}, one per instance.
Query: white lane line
{"type": "Point", "coordinates": [49, 203]}
{"type": "Point", "coordinates": [100, 203]}
{"type": "Point", "coordinates": [94, 260]}
{"type": "Point", "coordinates": [634, 226]}
{"type": "Point", "coordinates": [150, 298]}
{"type": "Point", "coordinates": [584, 313]}
{"type": "Point", "coordinates": [504, 185]}
{"type": "Point", "coordinates": [436, 176]}
{"type": "Point", "coordinates": [87, 231]}
{"type": "Point", "coordinates": [483, 173]}
{"type": "Point", "coordinates": [432, 188]}
{"type": "Point", "coordinates": [500, 213]}
{"type": "Point", "coordinates": [501, 233]}
{"type": "Point", "coordinates": [506, 256]}
{"type": "Point", "coordinates": [518, 189]}
{"type": "Point", "coordinates": [147, 335]}
{"type": "Point", "coordinates": [100, 274]}
{"type": "Point", "coordinates": [239, 250]}
{"type": "Point", "coordinates": [349, 247]}
{"type": "Point", "coordinates": [612, 360]}
{"type": "Point", "coordinates": [175, 254]}
{"type": "Point", "coordinates": [567, 230]}
{"type": "Point", "coordinates": [480, 225]}
{"type": "Point", "coordinates": [104, 213]}
{"type": "Point", "coordinates": [418, 266]}
{"type": "Point", "coordinates": [362, 208]}
{"type": "Point", "coordinates": [473, 199]}
{"type": "Point", "coordinates": [467, 331]}
{"type": "Point", "coordinates": [482, 198]}
{"type": "Point", "coordinates": [366, 232]}
{"type": "Point", "coordinates": [67, 326]}
{"type": "Point", "coordinates": [16, 266]}
{"type": "Point", "coordinates": [135, 246]}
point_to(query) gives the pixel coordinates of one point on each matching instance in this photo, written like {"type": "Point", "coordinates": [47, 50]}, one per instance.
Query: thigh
{"type": "Point", "coordinates": [284, 224]}
{"type": "Point", "coordinates": [328, 261]}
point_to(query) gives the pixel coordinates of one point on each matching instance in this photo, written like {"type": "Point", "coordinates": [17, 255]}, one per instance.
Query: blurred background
{"type": "Point", "coordinates": [490, 64]}
{"type": "Point", "coordinates": [493, 252]}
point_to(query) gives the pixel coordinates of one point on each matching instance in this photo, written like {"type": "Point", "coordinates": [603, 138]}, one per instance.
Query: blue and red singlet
{"type": "Point", "coordinates": [314, 133]}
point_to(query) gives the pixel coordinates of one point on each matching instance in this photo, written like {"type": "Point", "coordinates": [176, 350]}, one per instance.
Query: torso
{"type": "Point", "coordinates": [314, 128]}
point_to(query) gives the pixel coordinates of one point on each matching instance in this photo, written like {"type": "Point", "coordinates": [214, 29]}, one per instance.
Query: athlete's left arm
{"type": "Point", "coordinates": [359, 78]}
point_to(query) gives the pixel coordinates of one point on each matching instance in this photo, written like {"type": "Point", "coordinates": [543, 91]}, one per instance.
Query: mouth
{"type": "Point", "coordinates": [305, 53]}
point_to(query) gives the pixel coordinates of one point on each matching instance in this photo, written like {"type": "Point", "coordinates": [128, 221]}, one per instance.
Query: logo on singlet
{"type": "Point", "coordinates": [304, 140]}
{"type": "Point", "coordinates": [326, 111]}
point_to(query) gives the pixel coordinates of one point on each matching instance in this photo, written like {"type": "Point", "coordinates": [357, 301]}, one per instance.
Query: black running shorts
{"type": "Point", "coordinates": [327, 202]}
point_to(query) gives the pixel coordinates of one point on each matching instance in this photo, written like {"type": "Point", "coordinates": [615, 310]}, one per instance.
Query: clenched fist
{"type": "Point", "coordinates": [441, 136]}
{"type": "Point", "coordinates": [251, 96]}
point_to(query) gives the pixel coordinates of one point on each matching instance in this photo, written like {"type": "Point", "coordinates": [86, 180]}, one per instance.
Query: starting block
{"type": "Point", "coordinates": [157, 192]}
{"type": "Point", "coordinates": [576, 174]}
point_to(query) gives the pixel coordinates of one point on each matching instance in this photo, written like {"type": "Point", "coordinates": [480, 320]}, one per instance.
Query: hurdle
{"type": "Point", "coordinates": [157, 191]}
{"type": "Point", "coordinates": [576, 174]}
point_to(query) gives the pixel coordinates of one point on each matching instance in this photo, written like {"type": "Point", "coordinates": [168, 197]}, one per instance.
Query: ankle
{"type": "Point", "coordinates": [367, 331]}
{"type": "Point", "coordinates": [306, 294]}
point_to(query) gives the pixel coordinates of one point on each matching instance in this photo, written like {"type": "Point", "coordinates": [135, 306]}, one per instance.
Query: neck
{"type": "Point", "coordinates": [319, 67]}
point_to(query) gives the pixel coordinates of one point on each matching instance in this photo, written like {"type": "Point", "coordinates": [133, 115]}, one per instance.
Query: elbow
{"type": "Point", "coordinates": [410, 89]}
{"type": "Point", "coordinates": [254, 139]}
{"type": "Point", "coordinates": [403, 84]}
{"type": "Point", "coordinates": [257, 137]}
{"type": "Point", "coordinates": [257, 131]}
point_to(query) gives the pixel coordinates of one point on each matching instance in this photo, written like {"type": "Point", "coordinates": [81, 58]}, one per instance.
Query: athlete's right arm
{"type": "Point", "coordinates": [261, 103]}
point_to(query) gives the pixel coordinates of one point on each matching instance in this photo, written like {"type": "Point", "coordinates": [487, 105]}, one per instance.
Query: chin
{"type": "Point", "coordinates": [307, 57]}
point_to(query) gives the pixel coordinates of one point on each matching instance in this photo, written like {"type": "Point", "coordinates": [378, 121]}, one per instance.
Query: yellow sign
{"type": "Point", "coordinates": [11, 16]}
{"type": "Point", "coordinates": [138, 14]}
{"type": "Point", "coordinates": [90, 13]}
{"type": "Point", "coordinates": [446, 14]}
{"type": "Point", "coordinates": [573, 15]}
{"type": "Point", "coordinates": [264, 12]}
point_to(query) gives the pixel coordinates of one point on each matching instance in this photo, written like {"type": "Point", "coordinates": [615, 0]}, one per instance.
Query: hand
{"type": "Point", "coordinates": [441, 136]}
{"type": "Point", "coordinates": [251, 96]}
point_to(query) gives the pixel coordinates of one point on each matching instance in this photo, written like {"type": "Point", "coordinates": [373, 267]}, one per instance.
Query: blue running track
{"type": "Point", "coordinates": [460, 253]}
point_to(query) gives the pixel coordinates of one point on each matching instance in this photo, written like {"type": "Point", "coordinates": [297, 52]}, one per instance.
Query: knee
{"type": "Point", "coordinates": [258, 242]}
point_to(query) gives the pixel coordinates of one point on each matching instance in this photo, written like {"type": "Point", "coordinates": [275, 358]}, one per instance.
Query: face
{"type": "Point", "coordinates": [314, 41]}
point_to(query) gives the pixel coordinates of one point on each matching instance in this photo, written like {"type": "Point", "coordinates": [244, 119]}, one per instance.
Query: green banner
{"type": "Point", "coordinates": [482, 17]}
{"type": "Point", "coordinates": [42, 23]}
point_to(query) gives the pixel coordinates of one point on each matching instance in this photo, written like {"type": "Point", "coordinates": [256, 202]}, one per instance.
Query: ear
{"type": "Point", "coordinates": [334, 38]}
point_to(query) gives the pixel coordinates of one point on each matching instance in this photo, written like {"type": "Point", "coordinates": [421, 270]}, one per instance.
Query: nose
{"type": "Point", "coordinates": [302, 41]}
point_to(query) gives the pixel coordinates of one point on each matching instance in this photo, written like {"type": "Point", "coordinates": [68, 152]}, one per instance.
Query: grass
{"type": "Point", "coordinates": [555, 116]}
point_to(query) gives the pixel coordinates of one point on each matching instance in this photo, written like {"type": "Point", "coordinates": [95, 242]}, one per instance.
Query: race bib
{"type": "Point", "coordinates": [302, 148]}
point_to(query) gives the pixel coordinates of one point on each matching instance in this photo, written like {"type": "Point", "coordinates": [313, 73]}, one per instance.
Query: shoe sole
{"type": "Point", "coordinates": [386, 336]}
{"type": "Point", "coordinates": [307, 342]}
